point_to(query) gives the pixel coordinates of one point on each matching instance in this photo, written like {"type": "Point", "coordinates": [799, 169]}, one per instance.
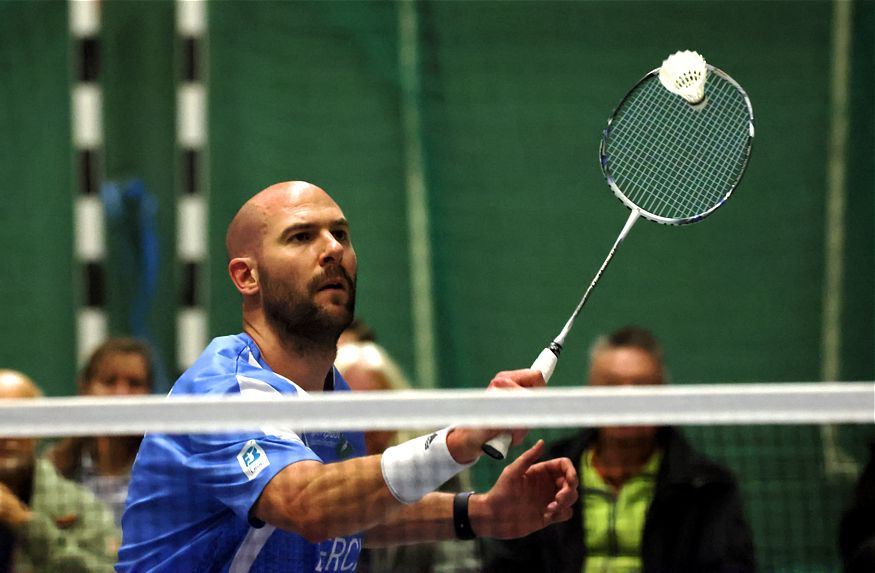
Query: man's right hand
{"type": "Point", "coordinates": [465, 444]}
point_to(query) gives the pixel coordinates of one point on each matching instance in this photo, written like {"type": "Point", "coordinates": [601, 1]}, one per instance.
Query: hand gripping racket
{"type": "Point", "coordinates": [673, 151]}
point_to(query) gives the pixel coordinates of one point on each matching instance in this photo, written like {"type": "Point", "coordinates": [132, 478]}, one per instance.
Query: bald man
{"type": "Point", "coordinates": [285, 500]}
{"type": "Point", "coordinates": [47, 523]}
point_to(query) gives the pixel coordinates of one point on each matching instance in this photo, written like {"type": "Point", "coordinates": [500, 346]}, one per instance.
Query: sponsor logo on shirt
{"type": "Point", "coordinates": [252, 459]}
{"type": "Point", "coordinates": [339, 554]}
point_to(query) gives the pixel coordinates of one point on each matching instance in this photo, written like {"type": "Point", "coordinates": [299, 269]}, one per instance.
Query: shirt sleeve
{"type": "Point", "coordinates": [236, 468]}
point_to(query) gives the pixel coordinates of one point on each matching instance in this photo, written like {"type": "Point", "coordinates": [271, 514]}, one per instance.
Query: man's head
{"type": "Point", "coordinates": [292, 260]}
{"type": "Point", "coordinates": [118, 367]}
{"type": "Point", "coordinates": [16, 454]}
{"type": "Point", "coordinates": [630, 356]}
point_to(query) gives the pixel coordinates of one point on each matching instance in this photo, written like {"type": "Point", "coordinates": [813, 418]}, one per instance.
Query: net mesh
{"type": "Point", "coordinates": [674, 160]}
{"type": "Point", "coordinates": [796, 452]}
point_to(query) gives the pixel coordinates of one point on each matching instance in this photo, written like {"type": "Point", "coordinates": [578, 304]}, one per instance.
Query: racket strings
{"type": "Point", "coordinates": [674, 187]}
{"type": "Point", "coordinates": [648, 178]}
{"type": "Point", "coordinates": [675, 161]}
{"type": "Point", "coordinates": [693, 159]}
{"type": "Point", "coordinates": [679, 187]}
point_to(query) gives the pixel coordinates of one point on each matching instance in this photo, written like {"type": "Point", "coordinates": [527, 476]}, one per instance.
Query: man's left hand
{"type": "Point", "coordinates": [527, 496]}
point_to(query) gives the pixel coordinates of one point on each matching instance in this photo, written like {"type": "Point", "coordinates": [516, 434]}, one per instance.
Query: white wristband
{"type": "Point", "coordinates": [419, 466]}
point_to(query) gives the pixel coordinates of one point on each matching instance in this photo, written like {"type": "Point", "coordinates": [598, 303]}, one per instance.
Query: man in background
{"type": "Point", "coordinates": [48, 524]}
{"type": "Point", "coordinates": [648, 501]}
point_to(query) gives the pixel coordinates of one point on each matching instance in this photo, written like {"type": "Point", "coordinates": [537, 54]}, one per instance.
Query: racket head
{"type": "Point", "coordinates": [674, 162]}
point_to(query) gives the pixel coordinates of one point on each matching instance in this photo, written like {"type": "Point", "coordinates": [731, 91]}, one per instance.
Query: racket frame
{"type": "Point", "coordinates": [604, 160]}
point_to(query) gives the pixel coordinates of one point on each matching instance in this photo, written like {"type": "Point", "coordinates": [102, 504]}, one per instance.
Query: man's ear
{"type": "Point", "coordinates": [244, 275]}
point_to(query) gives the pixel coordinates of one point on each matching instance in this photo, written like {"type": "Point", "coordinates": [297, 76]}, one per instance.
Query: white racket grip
{"type": "Point", "coordinates": [545, 363]}
{"type": "Point", "coordinates": [497, 447]}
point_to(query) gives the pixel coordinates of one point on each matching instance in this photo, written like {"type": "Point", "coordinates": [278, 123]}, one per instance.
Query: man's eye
{"type": "Point", "coordinates": [341, 235]}
{"type": "Point", "coordinates": [301, 237]}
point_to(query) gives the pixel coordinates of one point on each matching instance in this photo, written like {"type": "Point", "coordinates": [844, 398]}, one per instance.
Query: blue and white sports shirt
{"type": "Point", "coordinates": [190, 495]}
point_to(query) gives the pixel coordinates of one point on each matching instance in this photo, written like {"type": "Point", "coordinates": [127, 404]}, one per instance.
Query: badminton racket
{"type": "Point", "coordinates": [673, 152]}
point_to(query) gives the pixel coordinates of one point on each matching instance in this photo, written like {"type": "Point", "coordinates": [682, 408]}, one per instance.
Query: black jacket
{"type": "Point", "coordinates": [695, 522]}
{"type": "Point", "coordinates": [857, 530]}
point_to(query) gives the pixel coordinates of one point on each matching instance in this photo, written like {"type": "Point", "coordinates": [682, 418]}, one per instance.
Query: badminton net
{"type": "Point", "coordinates": [796, 450]}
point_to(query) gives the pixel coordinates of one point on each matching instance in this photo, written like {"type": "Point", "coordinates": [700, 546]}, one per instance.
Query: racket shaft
{"type": "Point", "coordinates": [630, 222]}
{"type": "Point", "coordinates": [546, 362]}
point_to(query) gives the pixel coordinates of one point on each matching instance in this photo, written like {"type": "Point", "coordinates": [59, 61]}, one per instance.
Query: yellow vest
{"type": "Point", "coordinates": [614, 520]}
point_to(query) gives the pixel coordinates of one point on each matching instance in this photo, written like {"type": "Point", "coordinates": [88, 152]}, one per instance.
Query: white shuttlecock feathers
{"type": "Point", "coordinates": [684, 74]}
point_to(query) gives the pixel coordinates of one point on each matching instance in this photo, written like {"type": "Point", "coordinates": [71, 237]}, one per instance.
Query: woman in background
{"type": "Point", "coordinates": [119, 367]}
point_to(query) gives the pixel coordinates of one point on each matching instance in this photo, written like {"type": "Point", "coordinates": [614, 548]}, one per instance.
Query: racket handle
{"type": "Point", "coordinates": [497, 447]}
{"type": "Point", "coordinates": [545, 362]}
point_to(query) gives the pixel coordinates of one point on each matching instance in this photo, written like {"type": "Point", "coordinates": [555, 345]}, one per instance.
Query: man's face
{"type": "Point", "coordinates": [119, 374]}
{"type": "Point", "coordinates": [307, 269]}
{"type": "Point", "coordinates": [626, 366]}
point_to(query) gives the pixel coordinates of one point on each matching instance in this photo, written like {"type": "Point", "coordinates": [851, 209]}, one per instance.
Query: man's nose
{"type": "Point", "coordinates": [332, 249]}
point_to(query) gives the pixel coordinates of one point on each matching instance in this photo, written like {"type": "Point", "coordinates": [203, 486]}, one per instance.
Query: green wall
{"type": "Point", "coordinates": [41, 286]}
{"type": "Point", "coordinates": [38, 280]}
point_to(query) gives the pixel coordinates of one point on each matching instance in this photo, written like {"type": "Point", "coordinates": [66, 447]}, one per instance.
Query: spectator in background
{"type": "Point", "coordinates": [48, 524]}
{"type": "Point", "coordinates": [857, 530]}
{"type": "Point", "coordinates": [648, 501]}
{"type": "Point", "coordinates": [367, 366]}
{"type": "Point", "coordinates": [118, 367]}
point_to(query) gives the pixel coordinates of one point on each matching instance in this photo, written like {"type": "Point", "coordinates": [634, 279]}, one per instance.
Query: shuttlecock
{"type": "Point", "coordinates": [684, 73]}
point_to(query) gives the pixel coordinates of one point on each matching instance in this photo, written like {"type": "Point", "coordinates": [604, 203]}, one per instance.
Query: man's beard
{"type": "Point", "coordinates": [298, 319]}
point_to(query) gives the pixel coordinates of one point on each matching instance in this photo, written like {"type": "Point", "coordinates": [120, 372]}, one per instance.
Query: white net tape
{"type": "Point", "coordinates": [721, 404]}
